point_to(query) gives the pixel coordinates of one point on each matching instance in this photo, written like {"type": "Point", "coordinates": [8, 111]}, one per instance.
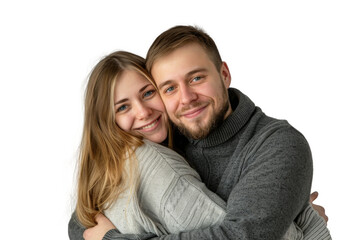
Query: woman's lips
{"type": "Point", "coordinates": [150, 126]}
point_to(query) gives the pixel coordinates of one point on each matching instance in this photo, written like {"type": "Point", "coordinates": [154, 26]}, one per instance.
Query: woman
{"type": "Point", "coordinates": [141, 186]}
{"type": "Point", "coordinates": [122, 107]}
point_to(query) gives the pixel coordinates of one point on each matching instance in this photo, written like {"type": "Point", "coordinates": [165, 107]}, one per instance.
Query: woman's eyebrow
{"type": "Point", "coordinates": [144, 87]}
{"type": "Point", "coordinates": [126, 99]}
{"type": "Point", "coordinates": [121, 101]}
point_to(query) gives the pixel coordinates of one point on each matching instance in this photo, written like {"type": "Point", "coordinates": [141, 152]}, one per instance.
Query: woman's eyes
{"type": "Point", "coordinates": [149, 93]}
{"type": "Point", "coordinates": [122, 108]}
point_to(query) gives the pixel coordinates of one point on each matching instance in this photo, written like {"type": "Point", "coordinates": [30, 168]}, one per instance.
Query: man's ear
{"type": "Point", "coordinates": [225, 73]}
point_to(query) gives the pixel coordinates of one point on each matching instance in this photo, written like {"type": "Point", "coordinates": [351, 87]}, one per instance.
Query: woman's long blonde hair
{"type": "Point", "coordinates": [104, 146]}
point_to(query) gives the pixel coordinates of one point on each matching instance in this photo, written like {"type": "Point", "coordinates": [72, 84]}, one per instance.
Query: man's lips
{"type": "Point", "coordinates": [193, 112]}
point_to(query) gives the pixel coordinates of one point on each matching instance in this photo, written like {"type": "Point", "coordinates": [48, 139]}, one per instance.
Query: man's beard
{"type": "Point", "coordinates": [199, 131]}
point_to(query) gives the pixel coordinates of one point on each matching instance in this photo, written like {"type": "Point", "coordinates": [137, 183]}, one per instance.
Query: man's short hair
{"type": "Point", "coordinates": [180, 36]}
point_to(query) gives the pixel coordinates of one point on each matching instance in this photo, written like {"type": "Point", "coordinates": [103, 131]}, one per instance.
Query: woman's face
{"type": "Point", "coordinates": [139, 109]}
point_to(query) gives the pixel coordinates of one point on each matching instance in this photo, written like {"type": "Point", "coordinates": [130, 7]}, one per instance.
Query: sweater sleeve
{"type": "Point", "coordinates": [75, 229]}
{"type": "Point", "coordinates": [274, 184]}
{"type": "Point", "coordinates": [172, 192]}
{"type": "Point", "coordinates": [171, 196]}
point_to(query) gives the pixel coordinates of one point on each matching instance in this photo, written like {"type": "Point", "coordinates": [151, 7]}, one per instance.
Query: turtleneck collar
{"type": "Point", "coordinates": [242, 107]}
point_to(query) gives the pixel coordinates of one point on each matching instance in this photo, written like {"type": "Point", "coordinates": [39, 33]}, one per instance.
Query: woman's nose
{"type": "Point", "coordinates": [142, 111]}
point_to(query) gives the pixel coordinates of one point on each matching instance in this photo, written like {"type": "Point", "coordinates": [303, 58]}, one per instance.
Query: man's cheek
{"type": "Point", "coordinates": [170, 107]}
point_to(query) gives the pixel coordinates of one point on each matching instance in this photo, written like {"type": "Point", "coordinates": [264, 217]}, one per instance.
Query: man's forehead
{"type": "Point", "coordinates": [180, 59]}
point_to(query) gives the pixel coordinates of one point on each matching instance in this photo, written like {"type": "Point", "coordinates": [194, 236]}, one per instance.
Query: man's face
{"type": "Point", "coordinates": [193, 90]}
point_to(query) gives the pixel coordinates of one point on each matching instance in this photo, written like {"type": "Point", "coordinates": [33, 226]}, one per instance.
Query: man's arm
{"type": "Point", "coordinates": [75, 229]}
{"type": "Point", "coordinates": [97, 232]}
{"type": "Point", "coordinates": [103, 230]}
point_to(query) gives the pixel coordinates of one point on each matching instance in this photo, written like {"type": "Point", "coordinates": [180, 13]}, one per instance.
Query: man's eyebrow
{"type": "Point", "coordinates": [165, 83]}
{"type": "Point", "coordinates": [126, 99]}
{"type": "Point", "coordinates": [187, 75]}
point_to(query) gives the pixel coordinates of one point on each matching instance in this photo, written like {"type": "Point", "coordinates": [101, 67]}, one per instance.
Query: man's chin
{"type": "Point", "coordinates": [194, 132]}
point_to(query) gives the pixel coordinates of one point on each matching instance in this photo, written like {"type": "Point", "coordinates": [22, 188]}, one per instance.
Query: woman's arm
{"type": "Point", "coordinates": [170, 197]}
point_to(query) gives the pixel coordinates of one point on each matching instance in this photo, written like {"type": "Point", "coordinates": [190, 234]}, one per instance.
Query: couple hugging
{"type": "Point", "coordinates": [170, 151]}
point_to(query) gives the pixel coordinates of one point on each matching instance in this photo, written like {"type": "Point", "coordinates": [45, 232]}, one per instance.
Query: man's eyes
{"type": "Point", "coordinates": [195, 79]}
{"type": "Point", "coordinates": [169, 89]}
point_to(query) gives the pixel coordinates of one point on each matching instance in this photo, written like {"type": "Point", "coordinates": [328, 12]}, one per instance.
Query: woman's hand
{"type": "Point", "coordinates": [318, 208]}
{"type": "Point", "coordinates": [98, 232]}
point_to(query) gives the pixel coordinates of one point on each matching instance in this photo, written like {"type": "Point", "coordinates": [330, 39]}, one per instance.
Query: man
{"type": "Point", "coordinates": [261, 166]}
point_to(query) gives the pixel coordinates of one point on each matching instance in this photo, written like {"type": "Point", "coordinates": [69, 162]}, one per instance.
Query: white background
{"type": "Point", "coordinates": [298, 61]}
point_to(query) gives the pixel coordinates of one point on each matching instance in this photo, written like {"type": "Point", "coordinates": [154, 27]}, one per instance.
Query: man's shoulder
{"type": "Point", "coordinates": [267, 127]}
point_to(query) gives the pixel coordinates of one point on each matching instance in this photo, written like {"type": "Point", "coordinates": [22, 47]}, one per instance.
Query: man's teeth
{"type": "Point", "coordinates": [150, 125]}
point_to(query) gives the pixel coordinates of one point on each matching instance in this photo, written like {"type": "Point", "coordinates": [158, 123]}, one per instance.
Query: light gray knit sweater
{"type": "Point", "coordinates": [170, 196]}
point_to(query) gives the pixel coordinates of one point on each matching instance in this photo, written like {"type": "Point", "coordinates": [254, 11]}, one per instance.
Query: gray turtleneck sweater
{"type": "Point", "coordinates": [262, 168]}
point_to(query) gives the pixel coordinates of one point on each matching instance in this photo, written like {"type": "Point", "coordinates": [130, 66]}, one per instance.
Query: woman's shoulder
{"type": "Point", "coordinates": [151, 154]}
{"type": "Point", "coordinates": [161, 151]}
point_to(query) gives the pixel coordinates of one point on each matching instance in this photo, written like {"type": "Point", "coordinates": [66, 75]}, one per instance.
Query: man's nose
{"type": "Point", "coordinates": [187, 95]}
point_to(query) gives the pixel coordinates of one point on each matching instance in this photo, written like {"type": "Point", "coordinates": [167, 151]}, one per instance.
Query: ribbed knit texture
{"type": "Point", "coordinates": [170, 197]}
{"type": "Point", "coordinates": [312, 225]}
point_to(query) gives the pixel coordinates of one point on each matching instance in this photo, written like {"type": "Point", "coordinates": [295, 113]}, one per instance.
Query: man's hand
{"type": "Point", "coordinates": [318, 208]}
{"type": "Point", "coordinates": [98, 232]}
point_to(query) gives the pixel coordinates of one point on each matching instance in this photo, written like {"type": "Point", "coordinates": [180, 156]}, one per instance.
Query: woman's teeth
{"type": "Point", "coordinates": [150, 125]}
